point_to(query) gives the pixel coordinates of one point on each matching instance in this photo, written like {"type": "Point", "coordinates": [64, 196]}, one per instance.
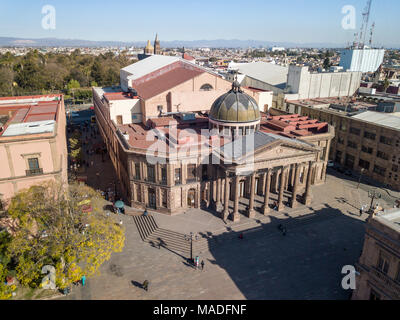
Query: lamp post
{"type": "Point", "coordinates": [190, 238]}
{"type": "Point", "coordinates": [373, 194]}
{"type": "Point", "coordinates": [359, 180]}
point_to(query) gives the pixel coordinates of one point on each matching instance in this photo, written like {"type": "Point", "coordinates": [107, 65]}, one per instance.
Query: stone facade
{"type": "Point", "coordinates": [379, 264]}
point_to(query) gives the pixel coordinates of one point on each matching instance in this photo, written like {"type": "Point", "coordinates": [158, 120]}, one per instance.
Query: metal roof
{"type": "Point", "coordinates": [266, 72]}
{"type": "Point", "coordinates": [148, 65]}
{"type": "Point", "coordinates": [379, 118]}
{"type": "Point", "coordinates": [19, 129]}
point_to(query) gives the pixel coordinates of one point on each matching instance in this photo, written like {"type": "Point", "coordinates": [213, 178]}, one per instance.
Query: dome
{"type": "Point", "coordinates": [235, 106]}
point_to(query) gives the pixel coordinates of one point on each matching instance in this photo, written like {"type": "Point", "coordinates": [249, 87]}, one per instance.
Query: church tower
{"type": "Point", "coordinates": [149, 49]}
{"type": "Point", "coordinates": [157, 47]}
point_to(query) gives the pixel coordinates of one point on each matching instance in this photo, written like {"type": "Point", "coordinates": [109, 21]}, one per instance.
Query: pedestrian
{"type": "Point", "coordinates": [284, 231]}
{"type": "Point", "coordinates": [202, 265]}
{"type": "Point", "coordinates": [83, 281]}
{"type": "Point", "coordinates": [241, 236]}
{"type": "Point", "coordinates": [120, 222]}
{"type": "Point", "coordinates": [146, 285]}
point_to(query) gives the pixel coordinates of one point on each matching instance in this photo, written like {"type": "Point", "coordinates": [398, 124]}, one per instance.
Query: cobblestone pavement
{"type": "Point", "coordinates": [304, 264]}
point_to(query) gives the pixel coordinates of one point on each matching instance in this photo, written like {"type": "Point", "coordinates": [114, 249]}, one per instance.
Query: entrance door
{"type": "Point", "coordinates": [191, 198]}
{"type": "Point", "coordinates": [152, 198]}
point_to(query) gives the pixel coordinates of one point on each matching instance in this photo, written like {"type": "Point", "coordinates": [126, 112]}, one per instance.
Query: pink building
{"type": "Point", "coordinates": [33, 145]}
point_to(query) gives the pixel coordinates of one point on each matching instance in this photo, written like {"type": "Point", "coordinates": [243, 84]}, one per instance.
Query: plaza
{"type": "Point", "coordinates": [305, 264]}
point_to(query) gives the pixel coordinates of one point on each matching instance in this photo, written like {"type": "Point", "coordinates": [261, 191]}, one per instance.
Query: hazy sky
{"type": "Point", "coordinates": [299, 21]}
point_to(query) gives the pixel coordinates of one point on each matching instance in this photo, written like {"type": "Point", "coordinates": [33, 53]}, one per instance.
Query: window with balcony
{"type": "Point", "coordinates": [34, 168]}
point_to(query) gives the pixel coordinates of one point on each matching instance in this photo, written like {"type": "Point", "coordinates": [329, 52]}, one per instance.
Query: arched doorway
{"type": "Point", "coordinates": [191, 199]}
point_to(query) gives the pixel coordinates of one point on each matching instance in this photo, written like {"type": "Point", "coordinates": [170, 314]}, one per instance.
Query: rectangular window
{"type": "Point", "coordinates": [382, 155]}
{"type": "Point", "coordinates": [34, 169]}
{"type": "Point", "coordinates": [364, 164]}
{"type": "Point", "coordinates": [191, 172]}
{"type": "Point", "coordinates": [352, 144]}
{"type": "Point", "coordinates": [178, 176]}
{"type": "Point", "coordinates": [151, 177]}
{"type": "Point", "coordinates": [164, 175]}
{"type": "Point", "coordinates": [137, 171]}
{"type": "Point", "coordinates": [349, 161]}
{"type": "Point", "coordinates": [355, 131]}
{"type": "Point", "coordinates": [368, 150]}
{"type": "Point", "coordinates": [383, 263]}
{"type": "Point", "coordinates": [379, 170]}
{"type": "Point", "coordinates": [386, 140]}
{"type": "Point", "coordinates": [369, 135]}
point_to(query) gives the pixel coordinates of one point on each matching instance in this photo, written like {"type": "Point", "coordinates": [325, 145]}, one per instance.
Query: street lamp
{"type": "Point", "coordinates": [359, 180]}
{"type": "Point", "coordinates": [373, 194]}
{"type": "Point", "coordinates": [190, 238]}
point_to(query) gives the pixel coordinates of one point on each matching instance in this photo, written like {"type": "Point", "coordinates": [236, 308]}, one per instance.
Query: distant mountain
{"type": "Point", "coordinates": [219, 43]}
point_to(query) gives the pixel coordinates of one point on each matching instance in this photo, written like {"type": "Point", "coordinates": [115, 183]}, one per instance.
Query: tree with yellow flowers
{"type": "Point", "coordinates": [54, 230]}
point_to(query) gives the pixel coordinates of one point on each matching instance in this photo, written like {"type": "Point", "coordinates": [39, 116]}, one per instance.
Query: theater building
{"type": "Point", "coordinates": [186, 138]}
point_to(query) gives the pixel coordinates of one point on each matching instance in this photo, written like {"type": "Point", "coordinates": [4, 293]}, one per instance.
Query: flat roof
{"type": "Point", "coordinates": [380, 118]}
{"type": "Point", "coordinates": [390, 218]}
{"type": "Point", "coordinates": [28, 115]}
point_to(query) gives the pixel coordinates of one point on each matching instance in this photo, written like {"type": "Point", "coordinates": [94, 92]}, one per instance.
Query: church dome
{"type": "Point", "coordinates": [235, 106]}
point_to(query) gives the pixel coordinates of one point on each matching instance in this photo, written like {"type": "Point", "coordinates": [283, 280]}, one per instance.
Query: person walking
{"type": "Point", "coordinates": [146, 285]}
{"type": "Point", "coordinates": [83, 280]}
{"type": "Point", "coordinates": [202, 265]}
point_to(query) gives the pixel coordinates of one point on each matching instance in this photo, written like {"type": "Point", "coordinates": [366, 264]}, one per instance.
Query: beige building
{"type": "Point", "coordinates": [367, 141]}
{"type": "Point", "coordinates": [32, 143]}
{"type": "Point", "coordinates": [379, 264]}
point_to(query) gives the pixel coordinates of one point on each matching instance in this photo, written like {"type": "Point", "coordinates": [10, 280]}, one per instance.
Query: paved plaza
{"type": "Point", "coordinates": [304, 264]}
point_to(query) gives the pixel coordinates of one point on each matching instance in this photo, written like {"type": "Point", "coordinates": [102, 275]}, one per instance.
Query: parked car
{"type": "Point", "coordinates": [331, 164]}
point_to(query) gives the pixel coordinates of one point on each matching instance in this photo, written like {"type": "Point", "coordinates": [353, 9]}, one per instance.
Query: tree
{"type": "Point", "coordinates": [55, 230]}
{"type": "Point", "coordinates": [5, 290]}
{"type": "Point", "coordinates": [327, 63]}
{"type": "Point", "coordinates": [6, 81]}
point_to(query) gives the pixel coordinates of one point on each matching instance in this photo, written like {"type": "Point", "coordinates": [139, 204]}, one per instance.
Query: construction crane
{"type": "Point", "coordinates": [364, 25]}
{"type": "Point", "coordinates": [371, 34]}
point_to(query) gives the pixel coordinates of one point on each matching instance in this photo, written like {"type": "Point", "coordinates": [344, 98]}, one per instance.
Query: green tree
{"type": "Point", "coordinates": [55, 230]}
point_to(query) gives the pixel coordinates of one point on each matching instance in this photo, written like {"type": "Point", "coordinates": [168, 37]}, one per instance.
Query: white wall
{"type": "Point", "coordinates": [128, 109]}
{"type": "Point", "coordinates": [367, 60]}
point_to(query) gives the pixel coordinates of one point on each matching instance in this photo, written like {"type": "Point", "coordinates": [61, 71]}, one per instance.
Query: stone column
{"type": "Point", "coordinates": [281, 188]}
{"type": "Point", "coordinates": [211, 203]}
{"type": "Point", "coordinates": [225, 213]}
{"type": "Point", "coordinates": [307, 193]}
{"type": "Point", "coordinates": [236, 216]}
{"type": "Point", "coordinates": [267, 178]}
{"type": "Point", "coordinates": [218, 204]}
{"type": "Point", "coordinates": [251, 212]}
{"type": "Point", "coordinates": [295, 186]}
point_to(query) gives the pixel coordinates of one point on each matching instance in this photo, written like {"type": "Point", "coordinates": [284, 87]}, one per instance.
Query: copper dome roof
{"type": "Point", "coordinates": [235, 106]}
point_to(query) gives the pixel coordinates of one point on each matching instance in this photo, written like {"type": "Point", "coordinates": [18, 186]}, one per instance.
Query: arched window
{"type": "Point", "coordinates": [206, 87]}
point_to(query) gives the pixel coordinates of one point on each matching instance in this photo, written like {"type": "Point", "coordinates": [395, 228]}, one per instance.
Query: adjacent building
{"type": "Point", "coordinates": [366, 141]}
{"type": "Point", "coordinates": [362, 60]}
{"type": "Point", "coordinates": [33, 145]}
{"type": "Point", "coordinates": [379, 264]}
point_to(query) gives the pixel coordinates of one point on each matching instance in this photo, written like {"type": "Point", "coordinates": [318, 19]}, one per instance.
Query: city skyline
{"type": "Point", "coordinates": [297, 22]}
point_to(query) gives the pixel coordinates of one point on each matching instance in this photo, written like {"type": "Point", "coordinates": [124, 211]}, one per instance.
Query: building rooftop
{"type": "Point", "coordinates": [28, 115]}
{"type": "Point", "coordinates": [383, 119]}
{"type": "Point", "coordinates": [390, 218]}
{"type": "Point", "coordinates": [270, 73]}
